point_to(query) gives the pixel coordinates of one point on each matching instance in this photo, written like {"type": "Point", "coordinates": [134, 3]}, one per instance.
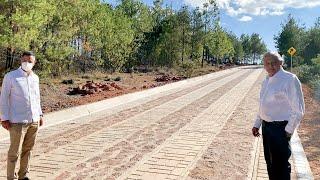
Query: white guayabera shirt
{"type": "Point", "coordinates": [20, 97]}
{"type": "Point", "coordinates": [281, 99]}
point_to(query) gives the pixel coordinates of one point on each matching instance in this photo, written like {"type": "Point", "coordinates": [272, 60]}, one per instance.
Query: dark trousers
{"type": "Point", "coordinates": [276, 150]}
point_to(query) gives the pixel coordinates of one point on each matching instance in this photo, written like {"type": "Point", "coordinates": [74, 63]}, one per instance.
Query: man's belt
{"type": "Point", "coordinates": [279, 123]}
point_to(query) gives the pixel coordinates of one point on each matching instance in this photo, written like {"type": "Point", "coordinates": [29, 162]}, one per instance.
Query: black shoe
{"type": "Point", "coordinates": [26, 178]}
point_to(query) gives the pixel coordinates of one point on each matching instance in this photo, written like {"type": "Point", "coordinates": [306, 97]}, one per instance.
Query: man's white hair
{"type": "Point", "coordinates": [274, 56]}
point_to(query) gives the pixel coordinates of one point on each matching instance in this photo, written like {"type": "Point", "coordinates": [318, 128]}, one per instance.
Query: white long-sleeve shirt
{"type": "Point", "coordinates": [281, 99]}
{"type": "Point", "coordinates": [20, 97]}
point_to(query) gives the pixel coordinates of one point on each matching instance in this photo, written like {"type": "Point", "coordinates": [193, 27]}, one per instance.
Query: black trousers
{"type": "Point", "coordinates": [276, 150]}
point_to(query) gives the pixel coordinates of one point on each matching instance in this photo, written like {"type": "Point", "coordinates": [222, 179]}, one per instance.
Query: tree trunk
{"type": "Point", "coordinates": [10, 49]}
{"type": "Point", "coordinates": [183, 44]}
{"type": "Point", "coordinates": [9, 58]}
{"type": "Point", "coordinates": [203, 54]}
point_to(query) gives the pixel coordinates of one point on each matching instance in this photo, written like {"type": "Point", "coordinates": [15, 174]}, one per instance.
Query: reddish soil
{"type": "Point", "coordinates": [309, 131]}
{"type": "Point", "coordinates": [57, 95]}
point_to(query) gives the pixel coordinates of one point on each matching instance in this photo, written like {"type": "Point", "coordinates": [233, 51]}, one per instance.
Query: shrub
{"type": "Point", "coordinates": [117, 78]}
{"type": "Point", "coordinates": [304, 73]}
{"type": "Point", "coordinates": [68, 81]}
{"type": "Point", "coordinates": [310, 74]}
{"type": "Point", "coordinates": [187, 68]}
{"type": "Point", "coordinates": [315, 84]}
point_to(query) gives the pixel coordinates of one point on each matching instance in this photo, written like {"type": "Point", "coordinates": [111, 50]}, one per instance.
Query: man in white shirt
{"type": "Point", "coordinates": [280, 112]}
{"type": "Point", "coordinates": [21, 114]}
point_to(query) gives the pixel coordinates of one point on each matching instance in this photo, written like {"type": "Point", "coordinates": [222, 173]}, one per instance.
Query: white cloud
{"type": "Point", "coordinates": [245, 18]}
{"type": "Point", "coordinates": [238, 8]}
{"type": "Point", "coordinates": [195, 3]}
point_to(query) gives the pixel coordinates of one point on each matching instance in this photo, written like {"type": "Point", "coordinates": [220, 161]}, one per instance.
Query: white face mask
{"type": "Point", "coordinates": [27, 66]}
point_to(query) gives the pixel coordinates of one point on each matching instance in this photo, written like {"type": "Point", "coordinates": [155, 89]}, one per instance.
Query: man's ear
{"type": "Point", "coordinates": [34, 59]}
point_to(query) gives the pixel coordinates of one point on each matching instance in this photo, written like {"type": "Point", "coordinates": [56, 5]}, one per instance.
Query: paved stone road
{"type": "Point", "coordinates": [177, 155]}
{"type": "Point", "coordinates": [157, 137]}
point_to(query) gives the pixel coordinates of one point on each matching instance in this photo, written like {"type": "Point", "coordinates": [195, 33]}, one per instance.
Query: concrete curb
{"type": "Point", "coordinates": [253, 166]}
{"type": "Point", "coordinates": [300, 160]}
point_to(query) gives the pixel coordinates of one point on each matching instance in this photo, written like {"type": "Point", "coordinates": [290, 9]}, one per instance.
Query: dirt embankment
{"type": "Point", "coordinates": [65, 92]}
{"type": "Point", "coordinates": [309, 131]}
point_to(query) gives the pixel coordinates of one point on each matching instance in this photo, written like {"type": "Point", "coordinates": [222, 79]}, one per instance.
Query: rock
{"type": "Point", "coordinates": [91, 88]}
{"type": "Point", "coordinates": [68, 81]}
{"type": "Point", "coordinates": [91, 91]}
{"type": "Point", "coordinates": [165, 78]}
{"type": "Point", "coordinates": [116, 86]}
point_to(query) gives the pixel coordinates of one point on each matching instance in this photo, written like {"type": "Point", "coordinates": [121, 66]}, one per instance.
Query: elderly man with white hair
{"type": "Point", "coordinates": [280, 112]}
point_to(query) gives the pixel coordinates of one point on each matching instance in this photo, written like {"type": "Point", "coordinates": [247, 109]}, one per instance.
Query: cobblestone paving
{"type": "Point", "coordinates": [158, 137]}
{"type": "Point", "coordinates": [51, 138]}
{"type": "Point", "coordinates": [177, 155]}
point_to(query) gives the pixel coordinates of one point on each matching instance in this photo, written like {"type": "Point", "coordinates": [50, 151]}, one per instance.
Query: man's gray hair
{"type": "Point", "coordinates": [274, 56]}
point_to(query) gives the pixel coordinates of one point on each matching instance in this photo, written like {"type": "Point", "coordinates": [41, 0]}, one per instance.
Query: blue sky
{"type": "Point", "coordinates": [257, 16]}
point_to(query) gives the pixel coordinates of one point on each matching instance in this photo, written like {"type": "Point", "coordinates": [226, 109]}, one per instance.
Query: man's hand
{"type": "Point", "coordinates": [255, 132]}
{"type": "Point", "coordinates": [41, 121]}
{"type": "Point", "coordinates": [6, 124]}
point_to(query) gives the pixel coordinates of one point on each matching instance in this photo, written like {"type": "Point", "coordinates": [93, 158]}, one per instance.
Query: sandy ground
{"type": "Point", "coordinates": [309, 132]}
